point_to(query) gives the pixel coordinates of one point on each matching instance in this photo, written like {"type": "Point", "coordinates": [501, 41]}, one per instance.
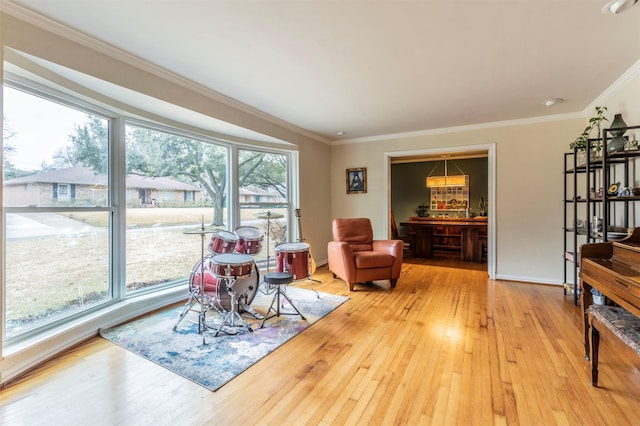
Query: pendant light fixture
{"type": "Point", "coordinates": [446, 180]}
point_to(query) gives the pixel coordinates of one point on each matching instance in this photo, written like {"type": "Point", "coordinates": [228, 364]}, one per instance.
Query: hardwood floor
{"type": "Point", "coordinates": [447, 346]}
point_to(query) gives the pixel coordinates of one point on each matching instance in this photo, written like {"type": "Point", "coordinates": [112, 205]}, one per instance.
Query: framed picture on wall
{"type": "Point", "coordinates": [357, 180]}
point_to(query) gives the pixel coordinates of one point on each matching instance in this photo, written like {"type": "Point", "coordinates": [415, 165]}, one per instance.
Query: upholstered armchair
{"type": "Point", "coordinates": [355, 257]}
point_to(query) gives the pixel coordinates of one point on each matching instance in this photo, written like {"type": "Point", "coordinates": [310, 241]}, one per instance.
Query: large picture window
{"type": "Point", "coordinates": [57, 211]}
{"type": "Point", "coordinates": [100, 207]}
{"type": "Point", "coordinates": [175, 184]}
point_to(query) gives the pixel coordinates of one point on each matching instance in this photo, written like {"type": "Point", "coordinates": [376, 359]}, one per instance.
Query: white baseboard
{"type": "Point", "coordinates": [531, 280]}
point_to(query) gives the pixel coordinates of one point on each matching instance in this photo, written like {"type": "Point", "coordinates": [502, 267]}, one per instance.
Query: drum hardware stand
{"type": "Point", "coordinates": [269, 288]}
{"type": "Point", "coordinates": [244, 307]}
{"type": "Point", "coordinates": [311, 281]}
{"type": "Point", "coordinates": [197, 295]}
{"type": "Point", "coordinates": [230, 318]}
{"type": "Point", "coordinates": [310, 261]}
{"type": "Point", "coordinates": [280, 280]}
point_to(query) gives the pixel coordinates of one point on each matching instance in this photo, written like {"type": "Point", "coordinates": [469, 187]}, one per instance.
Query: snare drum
{"type": "Point", "coordinates": [231, 265]}
{"type": "Point", "coordinates": [222, 242]}
{"type": "Point", "coordinates": [215, 287]}
{"type": "Point", "coordinates": [293, 258]}
{"type": "Point", "coordinates": [249, 240]}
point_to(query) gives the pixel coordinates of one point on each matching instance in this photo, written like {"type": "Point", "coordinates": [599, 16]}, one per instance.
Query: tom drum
{"type": "Point", "coordinates": [223, 242]}
{"type": "Point", "coordinates": [249, 240]}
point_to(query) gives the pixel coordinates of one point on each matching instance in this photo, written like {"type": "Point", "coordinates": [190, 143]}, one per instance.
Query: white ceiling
{"type": "Point", "coordinates": [373, 68]}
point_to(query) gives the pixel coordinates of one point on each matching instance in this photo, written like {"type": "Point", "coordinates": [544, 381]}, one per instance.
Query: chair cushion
{"type": "Point", "coordinates": [372, 259]}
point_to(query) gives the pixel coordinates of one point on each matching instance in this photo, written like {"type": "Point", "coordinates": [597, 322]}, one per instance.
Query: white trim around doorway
{"type": "Point", "coordinates": [491, 187]}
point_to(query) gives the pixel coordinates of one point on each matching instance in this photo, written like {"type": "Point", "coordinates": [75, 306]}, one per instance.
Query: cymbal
{"type": "Point", "coordinates": [269, 215]}
{"type": "Point", "coordinates": [201, 230]}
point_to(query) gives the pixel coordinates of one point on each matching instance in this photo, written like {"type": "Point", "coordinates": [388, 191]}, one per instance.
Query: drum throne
{"type": "Point", "coordinates": [280, 280]}
{"type": "Point", "coordinates": [355, 257]}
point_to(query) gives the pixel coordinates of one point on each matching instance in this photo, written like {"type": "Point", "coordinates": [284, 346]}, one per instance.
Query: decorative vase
{"type": "Point", "coordinates": [618, 142]}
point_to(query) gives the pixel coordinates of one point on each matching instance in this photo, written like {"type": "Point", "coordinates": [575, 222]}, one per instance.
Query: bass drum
{"type": "Point", "coordinates": [215, 287]}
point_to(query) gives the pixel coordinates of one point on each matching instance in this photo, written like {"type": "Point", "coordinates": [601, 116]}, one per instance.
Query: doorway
{"type": "Point", "coordinates": [452, 153]}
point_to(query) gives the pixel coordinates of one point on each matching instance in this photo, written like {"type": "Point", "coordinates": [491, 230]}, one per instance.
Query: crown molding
{"type": "Point", "coordinates": [458, 129]}
{"type": "Point", "coordinates": [31, 17]}
{"type": "Point", "coordinates": [628, 75]}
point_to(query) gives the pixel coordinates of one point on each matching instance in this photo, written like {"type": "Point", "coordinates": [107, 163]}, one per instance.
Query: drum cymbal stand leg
{"type": "Point", "coordinates": [311, 281]}
{"type": "Point", "coordinates": [193, 299]}
{"type": "Point", "coordinates": [204, 302]}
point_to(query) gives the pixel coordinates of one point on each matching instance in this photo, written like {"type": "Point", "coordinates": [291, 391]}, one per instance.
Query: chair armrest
{"type": "Point", "coordinates": [396, 249]}
{"type": "Point", "coordinates": [341, 260]}
{"type": "Point", "coordinates": [393, 247]}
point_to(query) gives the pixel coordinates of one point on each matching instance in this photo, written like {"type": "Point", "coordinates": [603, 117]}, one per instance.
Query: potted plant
{"type": "Point", "coordinates": [483, 204]}
{"type": "Point", "coordinates": [580, 144]}
{"type": "Point", "coordinates": [422, 210]}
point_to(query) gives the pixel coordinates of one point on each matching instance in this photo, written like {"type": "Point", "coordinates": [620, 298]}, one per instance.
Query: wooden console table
{"type": "Point", "coordinates": [461, 234]}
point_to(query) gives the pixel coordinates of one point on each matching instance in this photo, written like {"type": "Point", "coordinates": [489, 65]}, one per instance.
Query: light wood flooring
{"type": "Point", "coordinates": [447, 346]}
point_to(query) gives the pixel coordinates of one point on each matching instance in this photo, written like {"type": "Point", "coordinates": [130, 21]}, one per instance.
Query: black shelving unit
{"type": "Point", "coordinates": [583, 201]}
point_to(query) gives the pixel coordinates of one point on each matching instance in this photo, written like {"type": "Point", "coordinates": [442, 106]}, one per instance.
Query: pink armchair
{"type": "Point", "coordinates": [355, 257]}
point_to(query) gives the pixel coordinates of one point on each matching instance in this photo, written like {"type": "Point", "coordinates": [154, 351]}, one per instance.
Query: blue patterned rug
{"type": "Point", "coordinates": [223, 357]}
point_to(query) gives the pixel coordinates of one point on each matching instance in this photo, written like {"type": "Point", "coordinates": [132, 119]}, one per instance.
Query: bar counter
{"type": "Point", "coordinates": [464, 234]}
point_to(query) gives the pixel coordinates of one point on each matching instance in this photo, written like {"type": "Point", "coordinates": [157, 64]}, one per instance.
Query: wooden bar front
{"type": "Point", "coordinates": [465, 235]}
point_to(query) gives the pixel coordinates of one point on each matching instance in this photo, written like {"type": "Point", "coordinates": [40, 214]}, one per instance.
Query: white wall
{"type": "Point", "coordinates": [530, 181]}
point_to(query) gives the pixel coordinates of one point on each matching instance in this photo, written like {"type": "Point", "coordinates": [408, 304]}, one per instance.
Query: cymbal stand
{"type": "Point", "coordinates": [268, 243]}
{"type": "Point", "coordinates": [196, 294]}
{"type": "Point", "coordinates": [269, 288]}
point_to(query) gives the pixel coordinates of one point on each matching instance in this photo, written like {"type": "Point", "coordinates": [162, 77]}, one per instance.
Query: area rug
{"type": "Point", "coordinates": [223, 357]}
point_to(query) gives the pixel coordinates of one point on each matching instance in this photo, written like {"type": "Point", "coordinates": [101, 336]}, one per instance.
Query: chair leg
{"type": "Point", "coordinates": [351, 285]}
{"type": "Point", "coordinates": [393, 283]}
{"type": "Point", "coordinates": [595, 344]}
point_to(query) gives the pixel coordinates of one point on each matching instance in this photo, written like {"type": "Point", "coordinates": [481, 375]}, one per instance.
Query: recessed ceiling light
{"type": "Point", "coordinates": [552, 102]}
{"type": "Point", "coordinates": [618, 6]}
{"type": "Point", "coordinates": [341, 133]}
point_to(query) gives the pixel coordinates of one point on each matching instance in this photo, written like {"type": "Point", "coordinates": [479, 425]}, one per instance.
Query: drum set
{"type": "Point", "coordinates": [227, 279]}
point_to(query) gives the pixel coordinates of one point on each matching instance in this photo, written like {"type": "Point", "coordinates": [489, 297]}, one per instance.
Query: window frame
{"type": "Point", "coordinates": [116, 200]}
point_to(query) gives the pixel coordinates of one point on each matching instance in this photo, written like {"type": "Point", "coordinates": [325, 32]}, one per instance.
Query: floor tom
{"type": "Point", "coordinates": [293, 258]}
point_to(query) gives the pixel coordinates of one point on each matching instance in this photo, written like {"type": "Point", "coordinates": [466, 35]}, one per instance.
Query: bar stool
{"type": "Point", "coordinates": [279, 279]}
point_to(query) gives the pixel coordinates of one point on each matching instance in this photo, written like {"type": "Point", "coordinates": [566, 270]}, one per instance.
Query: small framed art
{"type": "Point", "coordinates": [357, 180]}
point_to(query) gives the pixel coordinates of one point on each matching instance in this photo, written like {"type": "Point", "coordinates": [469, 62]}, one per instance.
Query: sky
{"type": "Point", "coordinates": [41, 127]}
